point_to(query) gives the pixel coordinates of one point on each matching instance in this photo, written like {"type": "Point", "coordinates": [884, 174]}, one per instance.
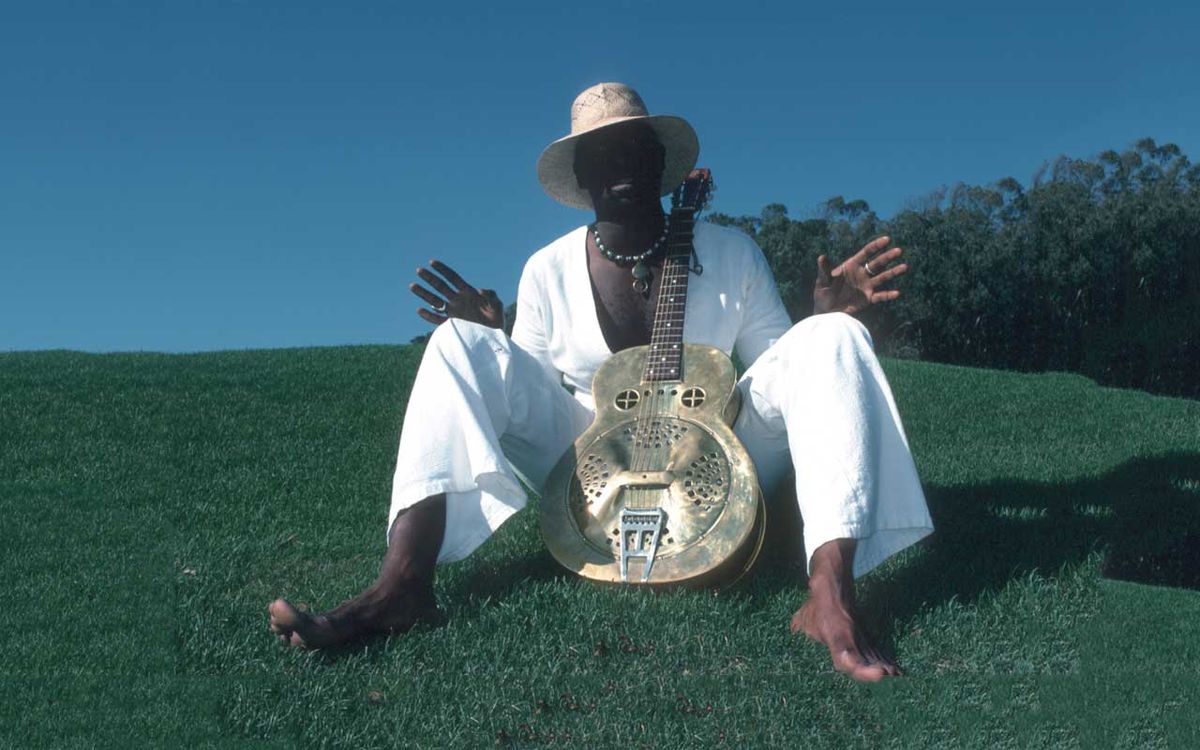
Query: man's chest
{"type": "Point", "coordinates": [626, 315]}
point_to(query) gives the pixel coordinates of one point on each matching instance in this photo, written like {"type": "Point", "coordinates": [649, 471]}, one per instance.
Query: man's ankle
{"type": "Point", "coordinates": [832, 568]}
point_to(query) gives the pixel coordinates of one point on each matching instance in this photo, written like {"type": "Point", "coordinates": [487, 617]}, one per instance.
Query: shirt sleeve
{"type": "Point", "coordinates": [529, 329]}
{"type": "Point", "coordinates": [765, 318]}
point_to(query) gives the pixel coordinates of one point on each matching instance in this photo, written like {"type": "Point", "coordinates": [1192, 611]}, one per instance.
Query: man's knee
{"type": "Point", "coordinates": [463, 335]}
{"type": "Point", "coordinates": [834, 322]}
{"type": "Point", "coordinates": [829, 330]}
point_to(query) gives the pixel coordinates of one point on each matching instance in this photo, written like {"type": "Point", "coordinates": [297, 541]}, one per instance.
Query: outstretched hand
{"type": "Point", "coordinates": [855, 284]}
{"type": "Point", "coordinates": [456, 298]}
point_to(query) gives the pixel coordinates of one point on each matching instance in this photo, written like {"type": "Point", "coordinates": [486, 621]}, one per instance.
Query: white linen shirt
{"type": "Point", "coordinates": [733, 305]}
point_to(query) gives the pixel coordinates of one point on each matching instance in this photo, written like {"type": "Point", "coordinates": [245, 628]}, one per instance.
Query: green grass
{"type": "Point", "coordinates": [153, 505]}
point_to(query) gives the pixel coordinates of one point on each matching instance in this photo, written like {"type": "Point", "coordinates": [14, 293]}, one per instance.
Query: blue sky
{"type": "Point", "coordinates": [188, 176]}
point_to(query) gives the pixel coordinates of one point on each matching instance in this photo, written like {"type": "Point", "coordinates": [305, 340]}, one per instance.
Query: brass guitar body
{"type": "Point", "coordinates": [658, 491]}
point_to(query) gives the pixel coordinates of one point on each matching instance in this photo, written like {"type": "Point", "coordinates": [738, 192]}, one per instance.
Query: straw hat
{"type": "Point", "coordinates": [601, 106]}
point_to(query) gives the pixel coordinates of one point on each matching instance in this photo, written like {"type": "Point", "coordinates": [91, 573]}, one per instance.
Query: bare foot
{"type": "Point", "coordinates": [828, 617]}
{"type": "Point", "coordinates": [401, 596]}
{"type": "Point", "coordinates": [366, 614]}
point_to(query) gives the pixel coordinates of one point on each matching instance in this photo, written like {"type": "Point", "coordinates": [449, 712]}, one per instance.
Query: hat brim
{"type": "Point", "coordinates": [556, 165]}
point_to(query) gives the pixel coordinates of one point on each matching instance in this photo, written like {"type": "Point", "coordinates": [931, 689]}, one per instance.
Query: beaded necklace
{"type": "Point", "coordinates": [640, 271]}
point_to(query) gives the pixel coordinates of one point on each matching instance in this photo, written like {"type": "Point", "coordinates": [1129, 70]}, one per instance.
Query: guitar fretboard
{"type": "Point", "coordinates": [664, 362]}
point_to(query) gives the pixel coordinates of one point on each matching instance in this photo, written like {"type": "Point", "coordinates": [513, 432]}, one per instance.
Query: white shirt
{"type": "Point", "coordinates": [733, 306]}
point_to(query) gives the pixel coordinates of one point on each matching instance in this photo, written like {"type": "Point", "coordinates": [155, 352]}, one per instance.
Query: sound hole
{"type": "Point", "coordinates": [627, 399]}
{"type": "Point", "coordinates": [706, 480]}
{"type": "Point", "coordinates": [692, 397]}
{"type": "Point", "coordinates": [593, 473]}
{"type": "Point", "coordinates": [656, 433]}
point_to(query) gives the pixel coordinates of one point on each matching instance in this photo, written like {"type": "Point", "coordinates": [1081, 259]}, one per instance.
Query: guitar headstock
{"type": "Point", "coordinates": [693, 193]}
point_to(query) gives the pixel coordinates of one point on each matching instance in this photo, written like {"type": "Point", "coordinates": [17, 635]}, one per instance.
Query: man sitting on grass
{"type": "Point", "coordinates": [485, 407]}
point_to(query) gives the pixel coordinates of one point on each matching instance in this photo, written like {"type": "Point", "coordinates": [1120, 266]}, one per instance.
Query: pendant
{"type": "Point", "coordinates": [641, 278]}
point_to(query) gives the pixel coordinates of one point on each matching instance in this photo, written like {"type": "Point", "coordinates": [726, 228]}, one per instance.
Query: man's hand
{"type": "Point", "coordinates": [458, 298]}
{"type": "Point", "coordinates": [855, 285]}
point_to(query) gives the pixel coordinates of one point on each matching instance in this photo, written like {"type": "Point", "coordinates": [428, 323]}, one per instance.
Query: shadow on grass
{"type": "Point", "coordinates": [490, 583]}
{"type": "Point", "coordinates": [1144, 517]}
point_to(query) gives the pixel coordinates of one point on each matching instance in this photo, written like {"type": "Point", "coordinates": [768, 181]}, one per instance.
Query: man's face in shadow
{"type": "Point", "coordinates": [621, 167]}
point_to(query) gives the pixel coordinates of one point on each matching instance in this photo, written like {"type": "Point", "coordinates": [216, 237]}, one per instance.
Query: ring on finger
{"type": "Point", "coordinates": [867, 265]}
{"type": "Point", "coordinates": [440, 306]}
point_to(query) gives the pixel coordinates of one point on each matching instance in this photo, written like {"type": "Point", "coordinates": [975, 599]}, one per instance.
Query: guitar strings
{"type": "Point", "coordinates": [643, 459]}
{"type": "Point", "coordinates": [650, 405]}
{"type": "Point", "coordinates": [656, 453]}
{"type": "Point", "coordinates": [674, 308]}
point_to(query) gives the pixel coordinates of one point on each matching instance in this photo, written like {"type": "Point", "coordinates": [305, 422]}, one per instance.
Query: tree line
{"type": "Point", "coordinates": [1093, 268]}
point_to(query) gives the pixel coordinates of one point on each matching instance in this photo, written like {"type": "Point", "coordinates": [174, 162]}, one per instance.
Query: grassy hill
{"type": "Point", "coordinates": [153, 505]}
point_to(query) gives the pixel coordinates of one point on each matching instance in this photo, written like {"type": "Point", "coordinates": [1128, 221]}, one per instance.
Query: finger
{"type": "Point", "coordinates": [450, 275]}
{"type": "Point", "coordinates": [884, 258]}
{"type": "Point", "coordinates": [426, 295]}
{"type": "Point", "coordinates": [888, 296]}
{"type": "Point", "coordinates": [891, 273]}
{"type": "Point", "coordinates": [436, 282]}
{"type": "Point", "coordinates": [842, 268]}
{"type": "Point", "coordinates": [823, 270]}
{"type": "Point", "coordinates": [431, 316]}
{"type": "Point", "coordinates": [870, 249]}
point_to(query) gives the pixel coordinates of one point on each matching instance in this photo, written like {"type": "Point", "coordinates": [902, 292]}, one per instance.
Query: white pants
{"type": "Point", "coordinates": [482, 411]}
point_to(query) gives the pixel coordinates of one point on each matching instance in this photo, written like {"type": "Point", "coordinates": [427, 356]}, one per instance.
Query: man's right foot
{"type": "Point", "coordinates": [828, 615]}
{"type": "Point", "coordinates": [362, 616]}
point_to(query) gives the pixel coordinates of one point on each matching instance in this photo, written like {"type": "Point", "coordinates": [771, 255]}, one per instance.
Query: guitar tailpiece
{"type": "Point", "coordinates": [640, 530]}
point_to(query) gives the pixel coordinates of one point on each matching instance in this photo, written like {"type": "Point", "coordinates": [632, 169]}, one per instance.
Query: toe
{"type": "Point", "coordinates": [852, 663]}
{"type": "Point", "coordinates": [283, 614]}
{"type": "Point", "coordinates": [875, 657]}
{"type": "Point", "coordinates": [274, 620]}
{"type": "Point", "coordinates": [868, 673]}
{"type": "Point", "coordinates": [797, 623]}
{"type": "Point", "coordinates": [286, 622]}
{"type": "Point", "coordinates": [892, 668]}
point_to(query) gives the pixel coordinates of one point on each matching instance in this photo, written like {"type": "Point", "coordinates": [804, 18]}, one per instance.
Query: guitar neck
{"type": "Point", "coordinates": [664, 361]}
